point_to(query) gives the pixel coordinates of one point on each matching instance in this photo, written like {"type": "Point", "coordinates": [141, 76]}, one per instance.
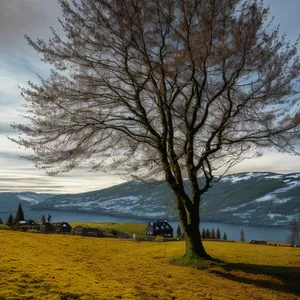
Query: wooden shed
{"type": "Point", "coordinates": [160, 227]}
{"type": "Point", "coordinates": [47, 228]}
{"type": "Point", "coordinates": [96, 232]}
{"type": "Point", "coordinates": [62, 227]}
{"type": "Point", "coordinates": [259, 242]}
{"type": "Point", "coordinates": [77, 230]}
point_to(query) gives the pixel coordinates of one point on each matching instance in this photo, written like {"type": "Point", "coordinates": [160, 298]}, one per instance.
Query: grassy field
{"type": "Point", "coordinates": [129, 228]}
{"type": "Point", "coordinates": [37, 266]}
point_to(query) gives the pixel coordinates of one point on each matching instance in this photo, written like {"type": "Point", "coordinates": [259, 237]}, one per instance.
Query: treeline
{"type": "Point", "coordinates": [213, 235]}
{"type": "Point", "coordinates": [205, 234]}
{"type": "Point", "coordinates": [19, 216]}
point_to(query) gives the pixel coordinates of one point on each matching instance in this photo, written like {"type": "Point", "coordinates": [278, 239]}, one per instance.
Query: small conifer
{"type": "Point", "coordinates": [218, 234]}
{"type": "Point", "coordinates": [242, 236]}
{"type": "Point", "coordinates": [213, 234]}
{"type": "Point", "coordinates": [203, 235]}
{"type": "Point", "coordinates": [43, 219]}
{"type": "Point", "coordinates": [1, 221]}
{"type": "Point", "coordinates": [10, 220]}
{"type": "Point", "coordinates": [20, 214]}
{"type": "Point", "coordinates": [208, 234]}
{"type": "Point", "coordinates": [178, 232]}
{"type": "Point", "coordinates": [225, 236]}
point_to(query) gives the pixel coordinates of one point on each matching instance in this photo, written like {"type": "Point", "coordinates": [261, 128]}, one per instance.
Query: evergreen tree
{"type": "Point", "coordinates": [203, 233]}
{"type": "Point", "coordinates": [225, 236]}
{"type": "Point", "coordinates": [179, 233]}
{"type": "Point", "coordinates": [218, 234]}
{"type": "Point", "coordinates": [10, 220]}
{"type": "Point", "coordinates": [1, 221]}
{"type": "Point", "coordinates": [213, 234]}
{"type": "Point", "coordinates": [43, 219]}
{"type": "Point", "coordinates": [242, 236]}
{"type": "Point", "coordinates": [20, 214]}
{"type": "Point", "coordinates": [208, 234]}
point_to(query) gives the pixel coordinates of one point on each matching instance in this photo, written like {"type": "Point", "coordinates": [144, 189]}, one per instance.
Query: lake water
{"type": "Point", "coordinates": [276, 234]}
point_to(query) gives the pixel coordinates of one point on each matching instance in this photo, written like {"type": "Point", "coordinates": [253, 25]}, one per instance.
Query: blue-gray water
{"type": "Point", "coordinates": [276, 234]}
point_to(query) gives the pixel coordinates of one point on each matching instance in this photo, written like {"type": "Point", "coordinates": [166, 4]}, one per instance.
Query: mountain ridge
{"type": "Point", "coordinates": [260, 198]}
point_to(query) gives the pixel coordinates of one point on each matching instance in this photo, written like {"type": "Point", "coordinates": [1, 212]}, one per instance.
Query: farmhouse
{"type": "Point", "coordinates": [26, 225]}
{"type": "Point", "coordinates": [47, 228]}
{"type": "Point", "coordinates": [259, 242]}
{"type": "Point", "coordinates": [62, 227]}
{"type": "Point", "coordinates": [160, 227]}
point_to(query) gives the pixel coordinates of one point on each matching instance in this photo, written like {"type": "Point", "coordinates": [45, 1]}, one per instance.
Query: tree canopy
{"type": "Point", "coordinates": [164, 89]}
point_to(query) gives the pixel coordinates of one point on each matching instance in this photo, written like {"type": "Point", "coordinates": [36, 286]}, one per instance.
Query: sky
{"type": "Point", "coordinates": [20, 63]}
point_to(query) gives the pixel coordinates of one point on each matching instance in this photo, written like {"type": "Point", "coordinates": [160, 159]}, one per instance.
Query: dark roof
{"type": "Point", "coordinates": [160, 223]}
{"type": "Point", "coordinates": [59, 223]}
{"type": "Point", "coordinates": [26, 222]}
{"type": "Point", "coordinates": [78, 228]}
{"type": "Point", "coordinates": [258, 242]}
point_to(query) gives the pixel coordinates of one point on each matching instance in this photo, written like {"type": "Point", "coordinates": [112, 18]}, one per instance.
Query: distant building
{"type": "Point", "coordinates": [62, 227]}
{"type": "Point", "coordinates": [77, 230]}
{"type": "Point", "coordinates": [26, 225]}
{"type": "Point", "coordinates": [92, 232]}
{"type": "Point", "coordinates": [87, 231]}
{"type": "Point", "coordinates": [259, 242]}
{"type": "Point", "coordinates": [47, 228]}
{"type": "Point", "coordinates": [160, 227]}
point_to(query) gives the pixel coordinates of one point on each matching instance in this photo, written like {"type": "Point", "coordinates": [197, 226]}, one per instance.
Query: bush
{"type": "Point", "coordinates": [159, 239]}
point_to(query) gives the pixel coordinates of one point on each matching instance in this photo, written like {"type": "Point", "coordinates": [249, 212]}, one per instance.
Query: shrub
{"type": "Point", "coordinates": [159, 239]}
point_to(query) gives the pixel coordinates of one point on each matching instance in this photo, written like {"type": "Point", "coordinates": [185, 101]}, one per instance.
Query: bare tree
{"type": "Point", "coordinates": [165, 89]}
{"type": "Point", "coordinates": [294, 236]}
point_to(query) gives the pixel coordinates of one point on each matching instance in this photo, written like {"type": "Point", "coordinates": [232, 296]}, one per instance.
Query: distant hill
{"type": "Point", "coordinates": [9, 201]}
{"type": "Point", "coordinates": [245, 198]}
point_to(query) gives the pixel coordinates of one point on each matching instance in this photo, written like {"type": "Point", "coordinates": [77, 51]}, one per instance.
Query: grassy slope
{"type": "Point", "coordinates": [130, 228]}
{"type": "Point", "coordinates": [4, 227]}
{"type": "Point", "coordinates": [36, 266]}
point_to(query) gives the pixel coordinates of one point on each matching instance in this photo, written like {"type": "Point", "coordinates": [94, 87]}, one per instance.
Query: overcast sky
{"type": "Point", "coordinates": [19, 63]}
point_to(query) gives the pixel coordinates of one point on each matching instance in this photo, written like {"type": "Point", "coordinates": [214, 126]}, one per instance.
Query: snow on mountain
{"type": "Point", "coordinates": [245, 198]}
{"type": "Point", "coordinates": [9, 201]}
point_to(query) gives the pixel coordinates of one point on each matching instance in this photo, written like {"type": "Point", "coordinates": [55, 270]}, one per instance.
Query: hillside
{"type": "Point", "coordinates": [40, 266]}
{"type": "Point", "coordinates": [9, 201]}
{"type": "Point", "coordinates": [245, 198]}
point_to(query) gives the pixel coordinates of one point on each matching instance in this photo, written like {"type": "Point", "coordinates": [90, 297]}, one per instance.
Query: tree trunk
{"type": "Point", "coordinates": [194, 246]}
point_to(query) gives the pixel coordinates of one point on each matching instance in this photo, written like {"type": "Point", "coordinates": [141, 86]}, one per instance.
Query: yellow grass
{"type": "Point", "coordinates": [37, 266]}
{"type": "Point", "coordinates": [4, 227]}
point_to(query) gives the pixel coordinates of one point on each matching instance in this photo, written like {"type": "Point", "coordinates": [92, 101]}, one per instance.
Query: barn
{"type": "Point", "coordinates": [62, 227]}
{"type": "Point", "coordinates": [160, 227]}
{"type": "Point", "coordinates": [47, 228]}
{"type": "Point", "coordinates": [258, 242]}
{"type": "Point", "coordinates": [77, 230]}
{"type": "Point", "coordinates": [96, 232]}
{"type": "Point", "coordinates": [87, 231]}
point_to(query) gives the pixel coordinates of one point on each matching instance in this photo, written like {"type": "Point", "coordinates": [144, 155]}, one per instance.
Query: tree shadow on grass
{"type": "Point", "coordinates": [287, 279]}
